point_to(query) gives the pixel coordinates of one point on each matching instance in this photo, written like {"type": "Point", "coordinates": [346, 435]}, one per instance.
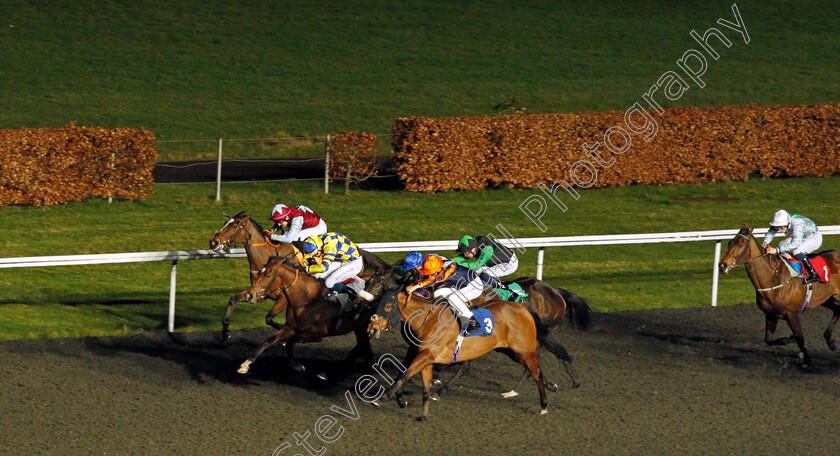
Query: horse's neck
{"type": "Point", "coordinates": [759, 270]}
{"type": "Point", "coordinates": [259, 251]}
{"type": "Point", "coordinates": [299, 287]}
{"type": "Point", "coordinates": [427, 312]}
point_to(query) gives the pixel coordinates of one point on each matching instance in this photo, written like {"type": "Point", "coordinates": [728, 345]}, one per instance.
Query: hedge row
{"type": "Point", "coordinates": [689, 145]}
{"type": "Point", "coordinates": [46, 166]}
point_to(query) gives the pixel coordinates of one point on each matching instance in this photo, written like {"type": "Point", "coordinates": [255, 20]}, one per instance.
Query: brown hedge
{"type": "Point", "coordinates": [692, 145]}
{"type": "Point", "coordinates": [355, 149]}
{"type": "Point", "coordinates": [46, 166]}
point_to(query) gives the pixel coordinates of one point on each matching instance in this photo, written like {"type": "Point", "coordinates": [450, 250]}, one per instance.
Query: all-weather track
{"type": "Point", "coordinates": [687, 382]}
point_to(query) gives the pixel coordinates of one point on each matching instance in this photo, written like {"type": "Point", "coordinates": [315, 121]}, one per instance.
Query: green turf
{"type": "Point", "coordinates": [114, 299]}
{"type": "Point", "coordinates": [211, 69]}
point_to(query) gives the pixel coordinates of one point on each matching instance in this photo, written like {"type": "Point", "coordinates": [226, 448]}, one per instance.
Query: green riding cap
{"type": "Point", "coordinates": [466, 243]}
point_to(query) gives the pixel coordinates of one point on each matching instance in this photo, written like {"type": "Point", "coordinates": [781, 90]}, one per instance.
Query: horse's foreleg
{"type": "Point", "coordinates": [290, 347]}
{"type": "Point", "coordinates": [796, 326]}
{"type": "Point", "coordinates": [284, 334]}
{"type": "Point", "coordinates": [835, 309]}
{"type": "Point", "coordinates": [279, 306]}
{"type": "Point", "coordinates": [443, 389]}
{"type": "Point", "coordinates": [410, 354]}
{"type": "Point", "coordinates": [226, 319]}
{"type": "Point", "coordinates": [529, 360]}
{"type": "Point", "coordinates": [420, 361]}
{"type": "Point", "coordinates": [362, 348]}
{"type": "Point", "coordinates": [770, 322]}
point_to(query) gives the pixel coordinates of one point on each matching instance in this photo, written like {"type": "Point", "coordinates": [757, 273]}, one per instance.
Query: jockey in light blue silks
{"type": "Point", "coordinates": [804, 238]}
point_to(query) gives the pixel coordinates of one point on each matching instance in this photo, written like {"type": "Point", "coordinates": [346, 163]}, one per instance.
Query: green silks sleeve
{"type": "Point", "coordinates": [469, 264]}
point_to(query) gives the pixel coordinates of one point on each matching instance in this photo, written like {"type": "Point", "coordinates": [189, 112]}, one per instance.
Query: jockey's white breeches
{"type": "Point", "coordinates": [340, 272]}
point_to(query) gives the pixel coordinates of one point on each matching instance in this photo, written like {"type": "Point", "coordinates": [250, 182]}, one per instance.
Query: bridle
{"type": "Point", "coordinates": [745, 252]}
{"type": "Point", "coordinates": [275, 275]}
{"type": "Point", "coordinates": [227, 242]}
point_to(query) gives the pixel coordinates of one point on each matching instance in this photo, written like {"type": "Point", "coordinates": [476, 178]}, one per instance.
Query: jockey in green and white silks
{"type": "Point", "coordinates": [487, 258]}
{"type": "Point", "coordinates": [804, 238]}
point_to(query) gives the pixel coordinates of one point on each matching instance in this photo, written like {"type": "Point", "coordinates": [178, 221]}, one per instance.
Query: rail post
{"type": "Point", "coordinates": [170, 327]}
{"type": "Point", "coordinates": [327, 165]}
{"type": "Point", "coordinates": [715, 274]}
{"type": "Point", "coordinates": [540, 256]}
{"type": "Point", "coordinates": [219, 172]}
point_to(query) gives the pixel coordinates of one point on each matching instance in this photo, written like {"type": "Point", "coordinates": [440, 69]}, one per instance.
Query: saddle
{"type": "Point", "coordinates": [488, 324]}
{"type": "Point", "coordinates": [798, 269]}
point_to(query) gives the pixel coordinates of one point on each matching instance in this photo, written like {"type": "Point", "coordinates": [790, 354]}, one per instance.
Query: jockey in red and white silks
{"type": "Point", "coordinates": [297, 223]}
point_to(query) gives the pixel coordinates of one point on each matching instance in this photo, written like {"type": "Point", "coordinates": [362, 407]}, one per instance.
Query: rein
{"type": "Point", "coordinates": [775, 268]}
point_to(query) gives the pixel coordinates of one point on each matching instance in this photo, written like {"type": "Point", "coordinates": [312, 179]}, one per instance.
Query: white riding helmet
{"type": "Point", "coordinates": [780, 218]}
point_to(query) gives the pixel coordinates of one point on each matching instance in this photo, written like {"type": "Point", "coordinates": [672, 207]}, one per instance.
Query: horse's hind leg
{"type": "Point", "coordinates": [458, 374]}
{"type": "Point", "coordinates": [284, 334]}
{"type": "Point", "coordinates": [514, 392]}
{"type": "Point", "coordinates": [529, 360]}
{"type": "Point", "coordinates": [770, 322]}
{"type": "Point", "coordinates": [832, 304]}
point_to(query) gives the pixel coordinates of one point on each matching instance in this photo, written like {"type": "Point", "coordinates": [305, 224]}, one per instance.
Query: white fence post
{"type": "Point", "coordinates": [715, 274]}
{"type": "Point", "coordinates": [540, 255]}
{"type": "Point", "coordinates": [171, 323]}
{"type": "Point", "coordinates": [219, 173]}
{"type": "Point", "coordinates": [327, 165]}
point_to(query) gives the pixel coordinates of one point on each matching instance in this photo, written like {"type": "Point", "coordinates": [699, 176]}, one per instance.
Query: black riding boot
{"type": "Point", "coordinates": [811, 275]}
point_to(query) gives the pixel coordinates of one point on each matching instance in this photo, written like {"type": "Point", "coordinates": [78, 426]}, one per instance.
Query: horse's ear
{"type": "Point", "coordinates": [226, 216]}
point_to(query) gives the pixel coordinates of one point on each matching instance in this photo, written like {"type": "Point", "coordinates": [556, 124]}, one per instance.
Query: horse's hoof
{"type": "Point", "coordinates": [299, 368]}
{"type": "Point", "coordinates": [543, 411]}
{"type": "Point", "coordinates": [436, 383]}
{"type": "Point", "coordinates": [575, 384]}
{"type": "Point", "coordinates": [225, 336]}
{"type": "Point", "coordinates": [402, 402]}
{"type": "Point", "coordinates": [322, 376]}
{"type": "Point", "coordinates": [376, 403]}
{"type": "Point", "coordinates": [551, 386]}
{"type": "Point", "coordinates": [434, 397]}
{"type": "Point", "coordinates": [245, 366]}
{"type": "Point", "coordinates": [832, 345]}
{"type": "Point", "coordinates": [422, 419]}
{"type": "Point", "coordinates": [509, 394]}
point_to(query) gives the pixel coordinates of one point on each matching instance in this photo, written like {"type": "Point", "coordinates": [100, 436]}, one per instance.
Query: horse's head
{"type": "Point", "coordinates": [267, 282]}
{"type": "Point", "coordinates": [738, 251]}
{"type": "Point", "coordinates": [233, 233]}
{"type": "Point", "coordinates": [387, 313]}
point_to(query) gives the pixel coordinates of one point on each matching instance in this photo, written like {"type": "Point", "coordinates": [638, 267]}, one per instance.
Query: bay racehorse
{"type": "Point", "coordinates": [241, 229]}
{"type": "Point", "coordinates": [551, 304]}
{"type": "Point", "coordinates": [310, 316]}
{"type": "Point", "coordinates": [780, 295]}
{"type": "Point", "coordinates": [518, 333]}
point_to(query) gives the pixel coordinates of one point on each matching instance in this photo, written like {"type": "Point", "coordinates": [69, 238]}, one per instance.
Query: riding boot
{"type": "Point", "coordinates": [812, 275]}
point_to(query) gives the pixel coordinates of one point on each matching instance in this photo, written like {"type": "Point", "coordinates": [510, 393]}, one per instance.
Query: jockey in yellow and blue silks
{"type": "Point", "coordinates": [337, 260]}
{"type": "Point", "coordinates": [804, 238]}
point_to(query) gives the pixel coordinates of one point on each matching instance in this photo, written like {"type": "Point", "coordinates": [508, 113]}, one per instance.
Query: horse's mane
{"type": "Point", "coordinates": [242, 213]}
{"type": "Point", "coordinates": [373, 261]}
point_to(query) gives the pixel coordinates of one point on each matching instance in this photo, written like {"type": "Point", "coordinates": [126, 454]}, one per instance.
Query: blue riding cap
{"type": "Point", "coordinates": [412, 260]}
{"type": "Point", "coordinates": [309, 247]}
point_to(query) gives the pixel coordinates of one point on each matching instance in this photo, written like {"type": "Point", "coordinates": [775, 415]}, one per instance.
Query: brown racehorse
{"type": "Point", "coordinates": [551, 304]}
{"type": "Point", "coordinates": [781, 296]}
{"type": "Point", "coordinates": [518, 333]}
{"type": "Point", "coordinates": [242, 230]}
{"type": "Point", "coordinates": [310, 317]}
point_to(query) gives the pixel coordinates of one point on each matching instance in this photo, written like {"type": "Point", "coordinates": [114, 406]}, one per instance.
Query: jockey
{"type": "Point", "coordinates": [337, 259]}
{"type": "Point", "coordinates": [804, 238]}
{"type": "Point", "coordinates": [413, 260]}
{"type": "Point", "coordinates": [484, 255]}
{"type": "Point", "coordinates": [456, 283]}
{"type": "Point", "coordinates": [296, 223]}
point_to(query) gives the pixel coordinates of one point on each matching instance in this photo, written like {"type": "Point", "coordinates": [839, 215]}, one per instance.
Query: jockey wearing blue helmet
{"type": "Point", "coordinates": [412, 261]}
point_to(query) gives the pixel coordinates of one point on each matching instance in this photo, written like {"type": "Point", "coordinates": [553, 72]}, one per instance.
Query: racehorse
{"type": "Point", "coordinates": [241, 229]}
{"type": "Point", "coordinates": [310, 317]}
{"type": "Point", "coordinates": [518, 333]}
{"type": "Point", "coordinates": [780, 295]}
{"type": "Point", "coordinates": [551, 304]}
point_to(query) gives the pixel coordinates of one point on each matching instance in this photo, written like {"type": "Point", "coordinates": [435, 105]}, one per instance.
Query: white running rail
{"type": "Point", "coordinates": [425, 246]}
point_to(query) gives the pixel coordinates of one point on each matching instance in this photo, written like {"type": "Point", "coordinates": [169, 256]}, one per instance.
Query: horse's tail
{"type": "Point", "coordinates": [577, 309]}
{"type": "Point", "coordinates": [548, 340]}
